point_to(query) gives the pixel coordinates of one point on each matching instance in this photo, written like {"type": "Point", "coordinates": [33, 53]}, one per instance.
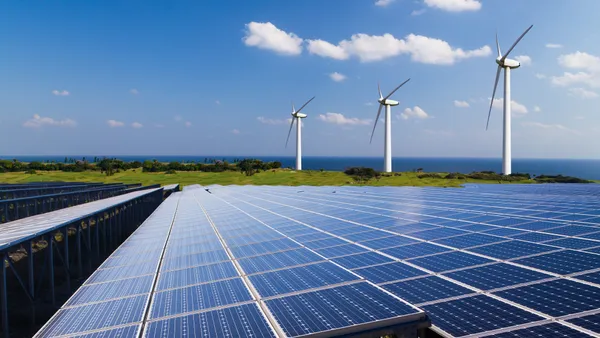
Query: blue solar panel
{"type": "Point", "coordinates": [536, 237]}
{"type": "Point", "coordinates": [593, 277]}
{"type": "Point", "coordinates": [413, 227]}
{"type": "Point", "coordinates": [199, 297]}
{"type": "Point", "coordinates": [449, 261]}
{"type": "Point", "coordinates": [112, 274]}
{"type": "Point", "coordinates": [426, 289]}
{"type": "Point", "coordinates": [574, 243]}
{"type": "Point", "coordinates": [111, 290]}
{"type": "Point", "coordinates": [367, 235]}
{"type": "Point", "coordinates": [494, 276]}
{"type": "Point", "coordinates": [278, 260]}
{"type": "Point", "coordinates": [388, 242]}
{"type": "Point", "coordinates": [538, 226]}
{"type": "Point", "coordinates": [204, 258]}
{"type": "Point", "coordinates": [591, 322]}
{"type": "Point", "coordinates": [552, 330]}
{"type": "Point", "coordinates": [114, 312]}
{"type": "Point", "coordinates": [263, 248]}
{"type": "Point", "coordinates": [512, 249]}
{"type": "Point", "coordinates": [195, 275]}
{"type": "Point", "coordinates": [414, 250]}
{"type": "Point", "coordinates": [572, 230]}
{"type": "Point", "coordinates": [301, 278]}
{"type": "Point", "coordinates": [341, 250]}
{"type": "Point", "coordinates": [334, 308]}
{"type": "Point", "coordinates": [563, 262]}
{"type": "Point", "coordinates": [362, 260]}
{"type": "Point", "coordinates": [556, 298]}
{"type": "Point", "coordinates": [389, 272]}
{"type": "Point", "coordinates": [174, 250]}
{"type": "Point", "coordinates": [476, 314]}
{"type": "Point", "coordinates": [325, 243]}
{"type": "Point", "coordinates": [478, 228]}
{"type": "Point", "coordinates": [239, 321]}
{"type": "Point", "coordinates": [505, 232]}
{"type": "Point", "coordinates": [120, 332]}
{"type": "Point", "coordinates": [470, 240]}
{"type": "Point", "coordinates": [430, 235]}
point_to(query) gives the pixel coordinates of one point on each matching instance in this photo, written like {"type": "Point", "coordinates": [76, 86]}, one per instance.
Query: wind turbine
{"type": "Point", "coordinates": [296, 115]}
{"type": "Point", "coordinates": [504, 62]}
{"type": "Point", "coordinates": [385, 101]}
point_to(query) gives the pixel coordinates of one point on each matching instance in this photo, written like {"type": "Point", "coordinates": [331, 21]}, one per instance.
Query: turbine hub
{"type": "Point", "coordinates": [388, 102]}
{"type": "Point", "coordinates": [508, 63]}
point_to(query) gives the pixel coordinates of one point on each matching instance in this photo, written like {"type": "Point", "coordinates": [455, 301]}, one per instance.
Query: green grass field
{"type": "Point", "coordinates": [278, 177]}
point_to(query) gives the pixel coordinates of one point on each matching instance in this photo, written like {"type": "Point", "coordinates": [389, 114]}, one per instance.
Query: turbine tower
{"type": "Point", "coordinates": [296, 115]}
{"type": "Point", "coordinates": [506, 64]}
{"type": "Point", "coordinates": [385, 101]}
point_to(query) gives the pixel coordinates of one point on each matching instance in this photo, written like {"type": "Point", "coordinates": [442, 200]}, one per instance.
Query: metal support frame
{"type": "Point", "coordinates": [111, 227]}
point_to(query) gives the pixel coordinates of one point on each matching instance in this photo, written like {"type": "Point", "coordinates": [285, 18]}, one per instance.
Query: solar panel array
{"type": "Point", "coordinates": [485, 261]}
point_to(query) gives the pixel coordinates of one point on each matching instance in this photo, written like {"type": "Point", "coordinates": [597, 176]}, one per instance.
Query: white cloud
{"type": "Point", "coordinates": [416, 112]}
{"type": "Point", "coordinates": [38, 121]}
{"type": "Point", "coordinates": [461, 104]}
{"type": "Point", "coordinates": [235, 131]}
{"type": "Point", "coordinates": [137, 125]}
{"type": "Point", "coordinates": [516, 107]}
{"type": "Point", "coordinates": [265, 35]}
{"type": "Point", "coordinates": [265, 120]}
{"type": "Point", "coordinates": [337, 118]}
{"type": "Point", "coordinates": [188, 124]}
{"type": "Point", "coordinates": [115, 123]}
{"type": "Point", "coordinates": [582, 93]}
{"type": "Point", "coordinates": [383, 3]}
{"type": "Point", "coordinates": [548, 126]}
{"type": "Point", "coordinates": [422, 49]}
{"type": "Point", "coordinates": [540, 76]}
{"type": "Point", "coordinates": [418, 12]}
{"type": "Point", "coordinates": [537, 109]}
{"type": "Point", "coordinates": [369, 104]}
{"type": "Point", "coordinates": [553, 45]}
{"type": "Point", "coordinates": [60, 92]}
{"type": "Point", "coordinates": [326, 49]}
{"type": "Point", "coordinates": [134, 91]}
{"type": "Point", "coordinates": [337, 77]}
{"type": "Point", "coordinates": [588, 66]}
{"type": "Point", "coordinates": [454, 5]}
{"type": "Point", "coordinates": [524, 60]}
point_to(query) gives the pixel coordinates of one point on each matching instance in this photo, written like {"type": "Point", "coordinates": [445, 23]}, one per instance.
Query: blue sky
{"type": "Point", "coordinates": [217, 77]}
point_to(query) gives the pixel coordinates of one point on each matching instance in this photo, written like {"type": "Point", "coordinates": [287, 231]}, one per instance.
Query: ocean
{"type": "Point", "coordinates": [587, 169]}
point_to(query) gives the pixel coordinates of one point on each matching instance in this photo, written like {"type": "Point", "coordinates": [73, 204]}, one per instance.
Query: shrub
{"type": "Point", "coordinates": [30, 172]}
{"type": "Point", "coordinates": [170, 172]}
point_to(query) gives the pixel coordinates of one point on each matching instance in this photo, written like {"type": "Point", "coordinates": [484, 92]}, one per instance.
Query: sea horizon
{"type": "Point", "coordinates": [582, 168]}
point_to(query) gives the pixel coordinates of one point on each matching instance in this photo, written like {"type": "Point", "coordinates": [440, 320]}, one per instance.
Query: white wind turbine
{"type": "Point", "coordinates": [296, 115]}
{"type": "Point", "coordinates": [507, 64]}
{"type": "Point", "coordinates": [384, 101]}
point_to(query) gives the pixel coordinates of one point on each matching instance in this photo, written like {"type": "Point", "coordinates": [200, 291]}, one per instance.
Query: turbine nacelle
{"type": "Point", "coordinates": [299, 115]}
{"type": "Point", "coordinates": [507, 63]}
{"type": "Point", "coordinates": [296, 114]}
{"type": "Point", "coordinates": [388, 102]}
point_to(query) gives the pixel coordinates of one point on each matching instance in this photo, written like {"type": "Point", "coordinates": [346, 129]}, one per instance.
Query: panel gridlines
{"type": "Point", "coordinates": [296, 245]}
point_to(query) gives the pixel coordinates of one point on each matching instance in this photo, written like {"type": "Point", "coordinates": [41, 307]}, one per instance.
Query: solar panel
{"type": "Point", "coordinates": [470, 240]}
{"type": "Point", "coordinates": [449, 261]}
{"type": "Point", "coordinates": [341, 250]}
{"type": "Point", "coordinates": [389, 272]}
{"type": "Point", "coordinates": [552, 330]}
{"type": "Point", "coordinates": [414, 250]}
{"type": "Point", "coordinates": [111, 290]}
{"type": "Point", "coordinates": [563, 262]}
{"type": "Point", "coordinates": [361, 260]}
{"type": "Point", "coordinates": [590, 322]}
{"type": "Point", "coordinates": [426, 289]}
{"type": "Point", "coordinates": [512, 249]}
{"type": "Point", "coordinates": [495, 276]}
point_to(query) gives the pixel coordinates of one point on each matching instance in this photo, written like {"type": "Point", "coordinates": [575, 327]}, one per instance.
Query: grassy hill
{"type": "Point", "coordinates": [272, 177]}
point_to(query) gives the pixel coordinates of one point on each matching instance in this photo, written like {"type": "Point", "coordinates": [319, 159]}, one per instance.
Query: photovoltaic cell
{"type": "Point", "coordinates": [512, 249]}
{"type": "Point", "coordinates": [389, 272]}
{"type": "Point", "coordinates": [415, 250]}
{"type": "Point", "coordinates": [278, 260]}
{"type": "Point", "coordinates": [341, 250]}
{"type": "Point", "coordinates": [120, 332]}
{"type": "Point", "coordinates": [388, 242]}
{"type": "Point", "coordinates": [470, 240]}
{"type": "Point", "coordinates": [238, 321]}
{"type": "Point", "coordinates": [426, 289]}
{"type": "Point", "coordinates": [111, 290]}
{"type": "Point", "coordinates": [494, 276]}
{"type": "Point", "coordinates": [195, 275]}
{"type": "Point", "coordinates": [362, 260]}
{"type": "Point", "coordinates": [334, 308]}
{"type": "Point", "coordinates": [476, 314]}
{"type": "Point", "coordinates": [449, 261]}
{"type": "Point", "coordinates": [563, 262]}
{"type": "Point", "coordinates": [590, 322]}
{"type": "Point", "coordinates": [552, 330]}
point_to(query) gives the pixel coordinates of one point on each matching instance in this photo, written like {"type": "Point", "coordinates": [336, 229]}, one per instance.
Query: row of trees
{"type": "Point", "coordinates": [112, 165]}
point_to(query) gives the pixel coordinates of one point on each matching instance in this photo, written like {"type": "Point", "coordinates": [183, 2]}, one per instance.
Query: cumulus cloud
{"type": "Point", "coordinates": [134, 91]}
{"type": "Point", "coordinates": [524, 60]}
{"type": "Point", "coordinates": [587, 66]}
{"type": "Point", "coordinates": [265, 35]}
{"type": "Point", "coordinates": [265, 120]}
{"type": "Point", "coordinates": [38, 121]}
{"type": "Point", "coordinates": [337, 77]}
{"type": "Point", "coordinates": [454, 5]}
{"type": "Point", "coordinates": [461, 104]}
{"type": "Point", "coordinates": [548, 126]}
{"type": "Point", "coordinates": [326, 49]}
{"type": "Point", "coordinates": [60, 92]}
{"type": "Point", "coordinates": [383, 3]}
{"type": "Point", "coordinates": [418, 12]}
{"type": "Point", "coordinates": [537, 109]}
{"type": "Point", "coordinates": [582, 93]}
{"type": "Point", "coordinates": [516, 107]}
{"type": "Point", "coordinates": [137, 125]}
{"type": "Point", "coordinates": [340, 119]}
{"type": "Point", "coordinates": [553, 45]}
{"type": "Point", "coordinates": [422, 49]}
{"type": "Point", "coordinates": [115, 123]}
{"type": "Point", "coordinates": [188, 124]}
{"type": "Point", "coordinates": [416, 113]}
{"type": "Point", "coordinates": [540, 76]}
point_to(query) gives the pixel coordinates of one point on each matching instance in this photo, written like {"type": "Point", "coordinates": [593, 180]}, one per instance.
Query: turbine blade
{"type": "Point", "coordinates": [514, 44]}
{"type": "Point", "coordinates": [289, 132]}
{"type": "Point", "coordinates": [376, 119]}
{"type": "Point", "coordinates": [393, 91]}
{"type": "Point", "coordinates": [379, 88]}
{"type": "Point", "coordinates": [498, 46]}
{"type": "Point", "coordinates": [293, 108]}
{"type": "Point", "coordinates": [493, 95]}
{"type": "Point", "coordinates": [304, 105]}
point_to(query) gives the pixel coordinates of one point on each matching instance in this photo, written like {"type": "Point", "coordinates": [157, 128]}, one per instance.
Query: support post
{"type": "Point", "coordinates": [387, 157]}
{"type": "Point", "coordinates": [506, 145]}
{"type": "Point", "coordinates": [4, 295]}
